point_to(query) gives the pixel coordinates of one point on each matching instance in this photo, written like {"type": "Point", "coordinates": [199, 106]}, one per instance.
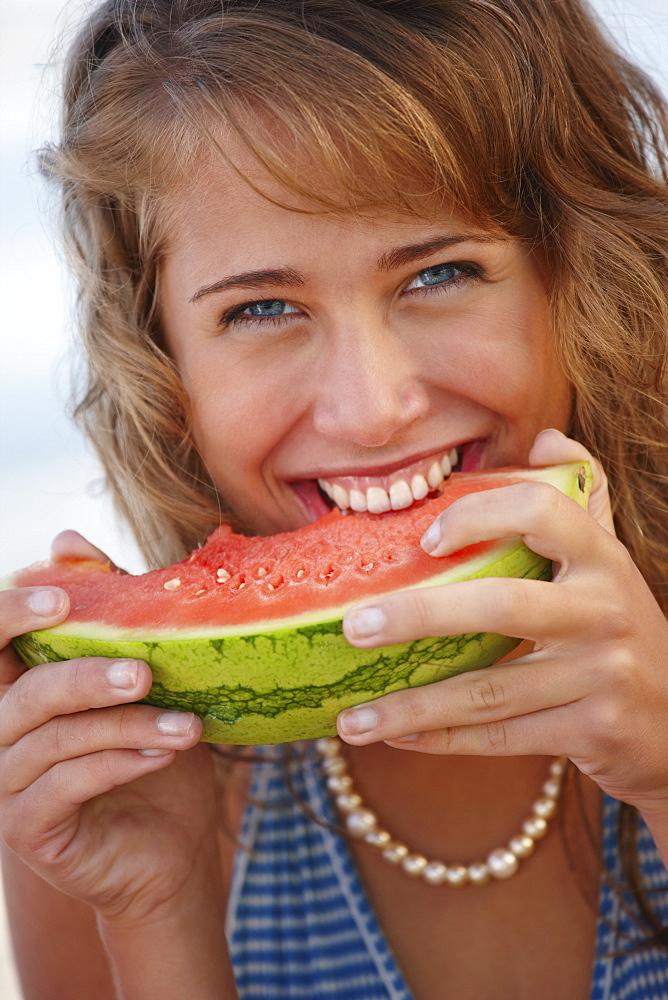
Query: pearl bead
{"type": "Point", "coordinates": [361, 822]}
{"type": "Point", "coordinates": [479, 873]}
{"type": "Point", "coordinates": [551, 788]}
{"type": "Point", "coordinates": [521, 846]}
{"type": "Point", "coordinates": [435, 873]}
{"type": "Point", "coordinates": [334, 765]}
{"type": "Point", "coordinates": [502, 863]}
{"type": "Point", "coordinates": [414, 864]}
{"type": "Point", "coordinates": [395, 853]}
{"type": "Point", "coordinates": [545, 808]}
{"type": "Point", "coordinates": [456, 875]}
{"type": "Point", "coordinates": [378, 838]}
{"type": "Point", "coordinates": [535, 827]}
{"type": "Point", "coordinates": [328, 746]}
{"type": "Point", "coordinates": [348, 801]}
{"type": "Point", "coordinates": [339, 782]}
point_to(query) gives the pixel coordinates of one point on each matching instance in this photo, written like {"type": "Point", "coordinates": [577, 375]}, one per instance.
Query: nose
{"type": "Point", "coordinates": [368, 387]}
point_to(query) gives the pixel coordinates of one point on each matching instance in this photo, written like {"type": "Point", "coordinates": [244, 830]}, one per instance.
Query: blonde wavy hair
{"type": "Point", "coordinates": [520, 112]}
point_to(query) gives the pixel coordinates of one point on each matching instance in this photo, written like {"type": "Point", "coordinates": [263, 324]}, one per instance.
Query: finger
{"type": "Point", "coordinates": [551, 447]}
{"type": "Point", "coordinates": [71, 545]}
{"type": "Point", "coordinates": [525, 609]}
{"type": "Point", "coordinates": [479, 698]}
{"type": "Point", "coordinates": [547, 521]}
{"type": "Point", "coordinates": [54, 689]}
{"type": "Point", "coordinates": [44, 817]}
{"type": "Point", "coordinates": [11, 668]}
{"type": "Point", "coordinates": [137, 727]}
{"type": "Point", "coordinates": [28, 609]}
{"type": "Point", "coordinates": [538, 734]}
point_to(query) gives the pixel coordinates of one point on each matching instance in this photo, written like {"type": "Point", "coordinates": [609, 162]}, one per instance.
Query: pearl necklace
{"type": "Point", "coordinates": [500, 863]}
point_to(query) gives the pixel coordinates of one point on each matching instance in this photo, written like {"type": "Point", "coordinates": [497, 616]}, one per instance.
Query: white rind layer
{"type": "Point", "coordinates": [471, 568]}
{"type": "Point", "coordinates": [573, 479]}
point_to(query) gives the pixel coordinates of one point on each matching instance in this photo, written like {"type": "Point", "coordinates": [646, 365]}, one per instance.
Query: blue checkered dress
{"type": "Point", "coordinates": [301, 928]}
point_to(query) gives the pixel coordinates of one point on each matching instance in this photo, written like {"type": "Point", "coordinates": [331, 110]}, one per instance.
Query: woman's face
{"type": "Point", "coordinates": [355, 352]}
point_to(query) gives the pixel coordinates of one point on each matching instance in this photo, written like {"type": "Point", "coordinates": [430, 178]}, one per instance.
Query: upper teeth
{"type": "Point", "coordinates": [390, 492]}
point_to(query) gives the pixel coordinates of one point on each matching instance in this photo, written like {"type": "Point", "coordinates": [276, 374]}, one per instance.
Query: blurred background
{"type": "Point", "coordinates": [48, 479]}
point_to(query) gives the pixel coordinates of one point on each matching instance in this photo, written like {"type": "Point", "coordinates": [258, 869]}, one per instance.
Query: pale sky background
{"type": "Point", "coordinates": [48, 479]}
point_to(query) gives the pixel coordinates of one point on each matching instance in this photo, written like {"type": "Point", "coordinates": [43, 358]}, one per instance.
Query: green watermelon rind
{"type": "Point", "coordinates": [289, 683]}
{"type": "Point", "coordinates": [263, 702]}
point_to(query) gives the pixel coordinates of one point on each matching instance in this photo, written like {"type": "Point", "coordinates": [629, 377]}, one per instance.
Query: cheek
{"type": "Point", "coordinates": [502, 357]}
{"type": "Point", "coordinates": [237, 417]}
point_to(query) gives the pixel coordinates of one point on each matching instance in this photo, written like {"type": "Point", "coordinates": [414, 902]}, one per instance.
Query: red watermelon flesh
{"type": "Point", "coordinates": [235, 580]}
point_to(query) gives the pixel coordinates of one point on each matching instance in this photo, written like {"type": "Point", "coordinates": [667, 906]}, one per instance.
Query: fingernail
{"type": "Point", "coordinates": [431, 537]}
{"type": "Point", "coordinates": [155, 753]}
{"type": "Point", "coordinates": [123, 673]}
{"type": "Point", "coordinates": [365, 622]}
{"type": "Point", "coordinates": [46, 603]}
{"type": "Point", "coordinates": [356, 721]}
{"type": "Point", "coordinates": [174, 723]}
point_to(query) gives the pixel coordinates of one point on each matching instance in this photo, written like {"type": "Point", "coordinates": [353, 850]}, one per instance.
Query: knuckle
{"type": "Point", "coordinates": [621, 625]}
{"type": "Point", "coordinates": [419, 614]}
{"type": "Point", "coordinates": [415, 710]}
{"type": "Point", "coordinates": [486, 695]}
{"type": "Point", "coordinates": [11, 618]}
{"type": "Point", "coordinates": [509, 602]}
{"type": "Point", "coordinates": [20, 695]}
{"type": "Point", "coordinates": [496, 736]}
{"type": "Point", "coordinates": [620, 668]}
{"type": "Point", "coordinates": [80, 675]}
{"type": "Point", "coordinates": [609, 725]}
{"type": "Point", "coordinates": [448, 737]}
{"type": "Point", "coordinates": [541, 502]}
{"type": "Point", "coordinates": [59, 733]}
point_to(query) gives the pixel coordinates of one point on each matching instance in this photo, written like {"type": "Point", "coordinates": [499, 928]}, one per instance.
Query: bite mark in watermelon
{"type": "Point", "coordinates": [247, 632]}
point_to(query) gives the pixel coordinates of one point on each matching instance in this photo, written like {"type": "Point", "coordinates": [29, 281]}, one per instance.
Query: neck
{"type": "Point", "coordinates": [453, 806]}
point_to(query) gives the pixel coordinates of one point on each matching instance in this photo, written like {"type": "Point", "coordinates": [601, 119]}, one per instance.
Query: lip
{"type": "Point", "coordinates": [324, 472]}
{"type": "Point", "coordinates": [309, 496]}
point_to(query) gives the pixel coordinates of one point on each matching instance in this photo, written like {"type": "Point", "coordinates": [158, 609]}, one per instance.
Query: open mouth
{"type": "Point", "coordinates": [379, 494]}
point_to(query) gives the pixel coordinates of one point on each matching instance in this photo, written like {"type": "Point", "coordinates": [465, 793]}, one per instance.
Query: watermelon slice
{"type": "Point", "coordinates": [246, 632]}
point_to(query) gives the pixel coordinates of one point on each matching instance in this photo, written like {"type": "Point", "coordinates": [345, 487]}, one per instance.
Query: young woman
{"type": "Point", "coordinates": [323, 246]}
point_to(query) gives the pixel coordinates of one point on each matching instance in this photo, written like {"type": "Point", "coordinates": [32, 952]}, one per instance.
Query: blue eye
{"type": "Point", "coordinates": [440, 274]}
{"type": "Point", "coordinates": [268, 307]}
{"type": "Point", "coordinates": [263, 312]}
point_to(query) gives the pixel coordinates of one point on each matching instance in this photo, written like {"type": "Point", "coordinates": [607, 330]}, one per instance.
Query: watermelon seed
{"type": "Point", "coordinates": [172, 584]}
{"type": "Point", "coordinates": [222, 575]}
{"type": "Point", "coordinates": [300, 573]}
{"type": "Point", "coordinates": [367, 567]}
{"type": "Point", "coordinates": [329, 574]}
{"type": "Point", "coordinates": [198, 592]}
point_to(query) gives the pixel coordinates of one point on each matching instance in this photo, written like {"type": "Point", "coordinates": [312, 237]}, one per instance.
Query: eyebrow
{"type": "Point", "coordinates": [253, 279]}
{"type": "Point", "coordinates": [405, 255]}
{"type": "Point", "coordinates": [288, 277]}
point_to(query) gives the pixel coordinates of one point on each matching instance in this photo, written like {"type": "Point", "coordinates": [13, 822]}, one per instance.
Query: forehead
{"type": "Point", "coordinates": [233, 203]}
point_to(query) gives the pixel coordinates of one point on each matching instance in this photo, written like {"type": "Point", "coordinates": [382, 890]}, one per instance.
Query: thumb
{"type": "Point", "coordinates": [551, 447]}
{"type": "Point", "coordinates": [71, 545]}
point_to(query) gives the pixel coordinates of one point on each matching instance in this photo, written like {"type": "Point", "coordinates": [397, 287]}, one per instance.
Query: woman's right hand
{"type": "Point", "coordinates": [95, 796]}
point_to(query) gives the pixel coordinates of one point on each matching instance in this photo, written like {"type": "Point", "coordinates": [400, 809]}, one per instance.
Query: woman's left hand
{"type": "Point", "coordinates": [595, 686]}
